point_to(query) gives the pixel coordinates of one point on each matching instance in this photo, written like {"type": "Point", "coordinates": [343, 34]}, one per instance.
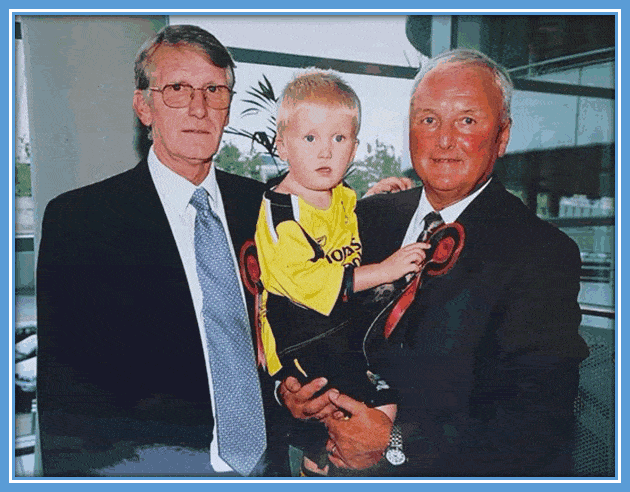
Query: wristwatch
{"type": "Point", "coordinates": [394, 452]}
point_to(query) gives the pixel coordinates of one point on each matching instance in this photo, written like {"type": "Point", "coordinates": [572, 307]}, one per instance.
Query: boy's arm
{"type": "Point", "coordinates": [406, 260]}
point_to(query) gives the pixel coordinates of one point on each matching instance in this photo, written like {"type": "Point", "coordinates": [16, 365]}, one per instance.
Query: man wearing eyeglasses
{"type": "Point", "coordinates": [130, 293]}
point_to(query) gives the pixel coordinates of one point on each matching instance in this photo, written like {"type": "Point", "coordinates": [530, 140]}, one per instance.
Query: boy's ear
{"type": "Point", "coordinates": [142, 108]}
{"type": "Point", "coordinates": [354, 151]}
{"type": "Point", "coordinates": [282, 150]}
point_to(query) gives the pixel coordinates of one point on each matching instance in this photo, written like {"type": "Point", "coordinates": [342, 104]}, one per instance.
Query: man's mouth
{"type": "Point", "coordinates": [438, 160]}
{"type": "Point", "coordinates": [197, 132]}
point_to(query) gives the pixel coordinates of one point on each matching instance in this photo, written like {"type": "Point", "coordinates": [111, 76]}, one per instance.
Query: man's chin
{"type": "Point", "coordinates": [445, 195]}
{"type": "Point", "coordinates": [200, 157]}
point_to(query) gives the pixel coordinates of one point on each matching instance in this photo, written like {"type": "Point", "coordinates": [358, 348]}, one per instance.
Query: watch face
{"type": "Point", "coordinates": [395, 456]}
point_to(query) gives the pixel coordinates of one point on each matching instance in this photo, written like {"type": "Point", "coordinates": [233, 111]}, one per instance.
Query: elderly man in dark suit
{"type": "Point", "coordinates": [146, 364]}
{"type": "Point", "coordinates": [486, 357]}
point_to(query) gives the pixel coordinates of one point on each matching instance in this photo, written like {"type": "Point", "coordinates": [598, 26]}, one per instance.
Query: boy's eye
{"type": "Point", "coordinates": [339, 138]}
{"type": "Point", "coordinates": [309, 138]}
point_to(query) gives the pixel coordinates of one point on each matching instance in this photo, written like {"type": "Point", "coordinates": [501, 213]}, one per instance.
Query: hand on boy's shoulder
{"type": "Point", "coordinates": [392, 184]}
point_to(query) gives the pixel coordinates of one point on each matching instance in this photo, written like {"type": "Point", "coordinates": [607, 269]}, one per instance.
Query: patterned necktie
{"type": "Point", "coordinates": [431, 222]}
{"type": "Point", "coordinates": [239, 411]}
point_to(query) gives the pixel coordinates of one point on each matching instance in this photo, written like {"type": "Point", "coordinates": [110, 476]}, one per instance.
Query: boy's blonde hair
{"type": "Point", "coordinates": [319, 86]}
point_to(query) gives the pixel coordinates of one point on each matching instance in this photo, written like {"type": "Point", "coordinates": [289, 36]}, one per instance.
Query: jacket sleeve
{"type": "Point", "coordinates": [536, 368]}
{"type": "Point", "coordinates": [62, 337]}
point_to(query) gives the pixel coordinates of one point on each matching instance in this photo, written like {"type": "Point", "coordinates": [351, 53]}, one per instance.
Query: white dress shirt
{"type": "Point", "coordinates": [449, 214]}
{"type": "Point", "coordinates": [175, 193]}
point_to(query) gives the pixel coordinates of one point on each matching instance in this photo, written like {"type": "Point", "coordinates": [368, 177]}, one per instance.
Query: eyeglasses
{"type": "Point", "coordinates": [180, 95]}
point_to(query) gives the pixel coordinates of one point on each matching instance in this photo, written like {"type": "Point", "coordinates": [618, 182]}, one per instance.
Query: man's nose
{"type": "Point", "coordinates": [197, 106]}
{"type": "Point", "coordinates": [446, 137]}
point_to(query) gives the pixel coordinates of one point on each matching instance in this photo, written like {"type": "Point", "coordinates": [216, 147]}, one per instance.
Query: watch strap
{"type": "Point", "coordinates": [394, 452]}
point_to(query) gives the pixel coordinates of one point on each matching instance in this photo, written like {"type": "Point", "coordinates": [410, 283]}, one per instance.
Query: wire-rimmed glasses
{"type": "Point", "coordinates": [180, 95]}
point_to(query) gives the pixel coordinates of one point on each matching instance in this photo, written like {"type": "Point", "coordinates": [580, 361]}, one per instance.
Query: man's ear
{"type": "Point", "coordinates": [142, 108]}
{"type": "Point", "coordinates": [227, 118]}
{"type": "Point", "coordinates": [504, 137]}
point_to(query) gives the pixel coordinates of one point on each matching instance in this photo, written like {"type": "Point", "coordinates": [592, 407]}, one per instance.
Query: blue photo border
{"type": "Point", "coordinates": [324, 7]}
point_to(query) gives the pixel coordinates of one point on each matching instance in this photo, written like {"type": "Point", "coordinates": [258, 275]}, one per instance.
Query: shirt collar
{"type": "Point", "coordinates": [452, 212]}
{"type": "Point", "coordinates": [175, 191]}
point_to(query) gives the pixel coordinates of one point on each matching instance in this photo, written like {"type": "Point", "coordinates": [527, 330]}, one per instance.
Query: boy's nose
{"type": "Point", "coordinates": [325, 152]}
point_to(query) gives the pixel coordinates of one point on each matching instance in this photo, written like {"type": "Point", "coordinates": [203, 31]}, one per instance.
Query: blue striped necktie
{"type": "Point", "coordinates": [239, 410]}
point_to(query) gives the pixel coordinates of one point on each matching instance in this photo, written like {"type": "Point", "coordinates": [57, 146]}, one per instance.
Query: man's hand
{"type": "Point", "coordinates": [300, 402]}
{"type": "Point", "coordinates": [359, 441]}
{"type": "Point", "coordinates": [390, 185]}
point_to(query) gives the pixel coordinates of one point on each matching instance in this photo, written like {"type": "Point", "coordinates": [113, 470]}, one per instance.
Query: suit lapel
{"type": "Point", "coordinates": [486, 207]}
{"type": "Point", "coordinates": [405, 209]}
{"type": "Point", "coordinates": [241, 202]}
{"type": "Point", "coordinates": [147, 214]}
{"type": "Point", "coordinates": [383, 222]}
{"type": "Point", "coordinates": [231, 207]}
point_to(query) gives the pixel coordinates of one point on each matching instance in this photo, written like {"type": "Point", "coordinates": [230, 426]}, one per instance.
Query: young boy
{"type": "Point", "coordinates": [309, 249]}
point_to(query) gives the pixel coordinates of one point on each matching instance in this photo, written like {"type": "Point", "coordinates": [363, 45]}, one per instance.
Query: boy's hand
{"type": "Point", "coordinates": [406, 260]}
{"type": "Point", "coordinates": [300, 402]}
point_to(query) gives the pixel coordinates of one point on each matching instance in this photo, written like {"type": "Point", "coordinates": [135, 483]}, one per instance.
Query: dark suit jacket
{"type": "Point", "coordinates": [486, 358]}
{"type": "Point", "coordinates": [120, 360]}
